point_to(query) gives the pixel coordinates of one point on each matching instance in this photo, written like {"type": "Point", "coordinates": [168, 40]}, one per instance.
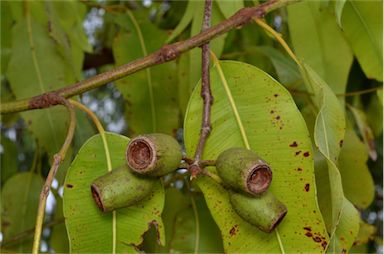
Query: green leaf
{"type": "Point", "coordinates": [19, 202]}
{"type": "Point", "coordinates": [339, 6]}
{"type": "Point", "coordinates": [354, 171]}
{"type": "Point", "coordinates": [228, 8]}
{"type": "Point", "coordinates": [365, 131]}
{"type": "Point", "coordinates": [36, 67]}
{"type": "Point", "coordinates": [320, 43]}
{"type": "Point", "coordinates": [374, 113]}
{"type": "Point", "coordinates": [6, 40]}
{"type": "Point", "coordinates": [329, 130]}
{"type": "Point", "coordinates": [286, 68]}
{"type": "Point", "coordinates": [253, 110]}
{"type": "Point", "coordinates": [362, 25]}
{"type": "Point", "coordinates": [59, 238]}
{"type": "Point", "coordinates": [189, 67]}
{"type": "Point", "coordinates": [184, 22]}
{"type": "Point", "coordinates": [89, 229]}
{"type": "Point", "coordinates": [150, 95]}
{"type": "Point", "coordinates": [346, 230]}
{"type": "Point", "coordinates": [328, 134]}
{"type": "Point", "coordinates": [185, 231]}
{"type": "Point", "coordinates": [8, 159]}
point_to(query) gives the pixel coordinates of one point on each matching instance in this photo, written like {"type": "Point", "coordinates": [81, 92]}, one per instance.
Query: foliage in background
{"type": "Point", "coordinates": [331, 181]}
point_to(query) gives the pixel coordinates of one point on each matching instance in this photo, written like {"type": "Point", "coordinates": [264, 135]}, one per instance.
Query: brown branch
{"type": "Point", "coordinates": [165, 54]}
{"type": "Point", "coordinates": [206, 94]}
{"type": "Point", "coordinates": [57, 159]}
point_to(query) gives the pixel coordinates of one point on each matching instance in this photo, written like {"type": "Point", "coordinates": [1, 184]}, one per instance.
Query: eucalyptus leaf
{"type": "Point", "coordinates": [32, 72]}
{"type": "Point", "coordinates": [354, 171]}
{"type": "Point", "coordinates": [150, 95]}
{"type": "Point", "coordinates": [362, 23]}
{"type": "Point", "coordinates": [329, 130]}
{"type": "Point", "coordinates": [19, 202]}
{"type": "Point", "coordinates": [339, 6]}
{"type": "Point", "coordinates": [189, 67]}
{"type": "Point", "coordinates": [320, 43]}
{"type": "Point", "coordinates": [253, 110]}
{"type": "Point", "coordinates": [6, 40]}
{"type": "Point", "coordinates": [89, 229]}
{"type": "Point", "coordinates": [228, 8]}
{"type": "Point", "coordinates": [346, 231]}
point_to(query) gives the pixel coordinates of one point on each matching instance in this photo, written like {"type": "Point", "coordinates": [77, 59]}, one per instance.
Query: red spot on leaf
{"type": "Point", "coordinates": [297, 153]}
{"type": "Point", "coordinates": [306, 154]}
{"type": "Point", "coordinates": [306, 187]}
{"type": "Point", "coordinates": [233, 230]}
{"type": "Point", "coordinates": [294, 144]}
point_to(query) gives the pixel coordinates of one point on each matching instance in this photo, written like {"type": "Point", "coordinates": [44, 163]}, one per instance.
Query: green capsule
{"type": "Point", "coordinates": [120, 188]}
{"type": "Point", "coordinates": [244, 170]}
{"type": "Point", "coordinates": [153, 154]}
{"type": "Point", "coordinates": [264, 212]}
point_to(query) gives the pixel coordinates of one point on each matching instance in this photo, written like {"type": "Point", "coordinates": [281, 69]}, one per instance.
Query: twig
{"type": "Point", "coordinates": [205, 94]}
{"type": "Point", "coordinates": [57, 159]}
{"type": "Point", "coordinates": [29, 232]}
{"type": "Point", "coordinates": [370, 90]}
{"type": "Point", "coordinates": [165, 54]}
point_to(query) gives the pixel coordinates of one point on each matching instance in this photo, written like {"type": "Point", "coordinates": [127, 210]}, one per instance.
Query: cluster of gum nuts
{"type": "Point", "coordinates": [244, 174]}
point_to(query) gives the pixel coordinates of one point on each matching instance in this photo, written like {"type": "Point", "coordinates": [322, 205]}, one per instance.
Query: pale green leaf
{"type": "Point", "coordinates": [354, 171]}
{"type": "Point", "coordinates": [318, 40]}
{"type": "Point", "coordinates": [88, 228]}
{"type": "Point", "coordinates": [362, 23]}
{"type": "Point", "coordinates": [150, 95]}
{"type": "Point", "coordinates": [346, 230]}
{"type": "Point", "coordinates": [184, 22]}
{"type": "Point", "coordinates": [339, 6]}
{"type": "Point", "coordinates": [329, 130]}
{"type": "Point", "coordinates": [19, 202]}
{"type": "Point", "coordinates": [228, 8]}
{"type": "Point", "coordinates": [270, 124]}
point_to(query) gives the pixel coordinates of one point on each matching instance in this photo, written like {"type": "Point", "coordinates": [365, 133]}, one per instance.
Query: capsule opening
{"type": "Point", "coordinates": [96, 196]}
{"type": "Point", "coordinates": [139, 154]}
{"type": "Point", "coordinates": [259, 179]}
